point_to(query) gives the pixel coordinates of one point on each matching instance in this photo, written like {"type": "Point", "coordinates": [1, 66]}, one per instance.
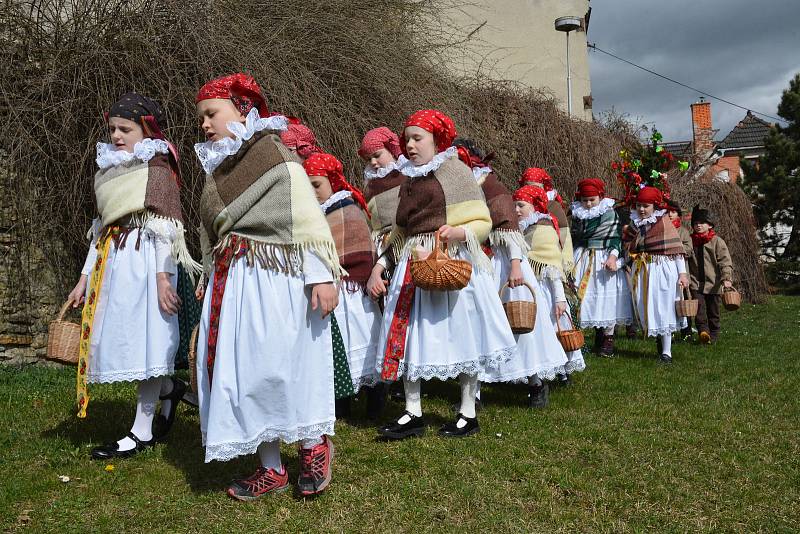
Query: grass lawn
{"type": "Point", "coordinates": [712, 442]}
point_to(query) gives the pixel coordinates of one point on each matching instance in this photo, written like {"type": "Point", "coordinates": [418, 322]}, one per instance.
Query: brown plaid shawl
{"type": "Point", "coordinates": [262, 194]}
{"type": "Point", "coordinates": [353, 242]}
{"type": "Point", "coordinates": [505, 227]}
{"type": "Point", "coordinates": [661, 239]}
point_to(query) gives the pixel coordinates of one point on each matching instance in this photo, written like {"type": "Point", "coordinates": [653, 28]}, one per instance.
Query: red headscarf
{"type": "Point", "coordinates": [377, 138]}
{"type": "Point", "coordinates": [470, 160]}
{"type": "Point", "coordinates": [300, 137]}
{"type": "Point", "coordinates": [590, 187]}
{"type": "Point", "coordinates": [322, 164]}
{"type": "Point", "coordinates": [651, 195]}
{"type": "Point", "coordinates": [434, 121]}
{"type": "Point", "coordinates": [537, 197]}
{"type": "Point", "coordinates": [241, 89]}
{"type": "Point", "coordinates": [537, 175]}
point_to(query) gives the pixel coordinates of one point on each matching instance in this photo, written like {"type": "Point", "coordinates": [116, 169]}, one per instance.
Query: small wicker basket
{"type": "Point", "coordinates": [193, 358]}
{"type": "Point", "coordinates": [63, 338]}
{"type": "Point", "coordinates": [571, 339]}
{"type": "Point", "coordinates": [686, 307]}
{"type": "Point", "coordinates": [731, 298]}
{"type": "Point", "coordinates": [521, 314]}
{"type": "Point", "coordinates": [439, 272]}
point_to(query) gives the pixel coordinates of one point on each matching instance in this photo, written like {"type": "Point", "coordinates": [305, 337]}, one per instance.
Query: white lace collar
{"type": "Point", "coordinates": [383, 172]}
{"type": "Point", "coordinates": [413, 171]}
{"type": "Point", "coordinates": [480, 173]}
{"type": "Point", "coordinates": [532, 219]}
{"type": "Point", "coordinates": [212, 153]}
{"type": "Point", "coordinates": [579, 212]}
{"type": "Point", "coordinates": [144, 150]}
{"type": "Point", "coordinates": [333, 199]}
{"type": "Point", "coordinates": [657, 214]}
{"type": "Point", "coordinates": [551, 195]}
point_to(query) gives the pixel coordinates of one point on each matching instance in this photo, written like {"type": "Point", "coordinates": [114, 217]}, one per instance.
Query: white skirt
{"type": "Point", "coordinates": [132, 339]}
{"type": "Point", "coordinates": [359, 320]}
{"type": "Point", "coordinates": [540, 353]}
{"type": "Point", "coordinates": [659, 316]}
{"type": "Point", "coordinates": [607, 300]}
{"type": "Point", "coordinates": [273, 371]}
{"type": "Point", "coordinates": [450, 332]}
{"type": "Point", "coordinates": [575, 358]}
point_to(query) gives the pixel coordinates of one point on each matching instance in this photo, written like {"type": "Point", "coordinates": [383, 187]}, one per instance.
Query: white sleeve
{"type": "Point", "coordinates": [314, 269]}
{"type": "Point", "coordinates": [91, 256]}
{"type": "Point", "coordinates": [515, 252]}
{"type": "Point", "coordinates": [681, 262]}
{"type": "Point", "coordinates": [164, 261]}
{"type": "Point", "coordinates": [557, 287]}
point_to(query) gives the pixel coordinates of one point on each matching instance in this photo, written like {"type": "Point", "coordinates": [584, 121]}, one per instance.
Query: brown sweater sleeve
{"type": "Point", "coordinates": [724, 261]}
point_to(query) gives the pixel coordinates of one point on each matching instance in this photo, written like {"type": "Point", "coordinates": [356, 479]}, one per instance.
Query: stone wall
{"type": "Point", "coordinates": [30, 288]}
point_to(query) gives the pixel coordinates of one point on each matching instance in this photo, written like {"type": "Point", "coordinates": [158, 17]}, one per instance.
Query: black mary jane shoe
{"type": "Point", "coordinates": [396, 431]}
{"type": "Point", "coordinates": [666, 359]}
{"type": "Point", "coordinates": [111, 450]}
{"type": "Point", "coordinates": [163, 423]}
{"type": "Point", "coordinates": [451, 430]}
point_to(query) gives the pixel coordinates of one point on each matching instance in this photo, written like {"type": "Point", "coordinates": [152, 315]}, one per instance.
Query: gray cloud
{"type": "Point", "coordinates": [742, 50]}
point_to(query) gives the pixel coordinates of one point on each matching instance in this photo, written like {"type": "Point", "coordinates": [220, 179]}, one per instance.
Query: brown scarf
{"type": "Point", "coordinates": [353, 242]}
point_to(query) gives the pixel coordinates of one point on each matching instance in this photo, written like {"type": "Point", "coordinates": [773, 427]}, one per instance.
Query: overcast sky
{"type": "Point", "coordinates": [745, 51]}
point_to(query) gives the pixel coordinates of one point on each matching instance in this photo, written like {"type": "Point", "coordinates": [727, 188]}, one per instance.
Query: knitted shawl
{"type": "Point", "coordinates": [544, 251]}
{"type": "Point", "coordinates": [441, 192]}
{"type": "Point", "coordinates": [603, 232]}
{"type": "Point", "coordinates": [383, 196]}
{"type": "Point", "coordinates": [660, 238]}
{"type": "Point", "coordinates": [353, 241]}
{"type": "Point", "coordinates": [148, 193]}
{"type": "Point", "coordinates": [263, 195]}
{"type": "Point", "coordinates": [505, 229]}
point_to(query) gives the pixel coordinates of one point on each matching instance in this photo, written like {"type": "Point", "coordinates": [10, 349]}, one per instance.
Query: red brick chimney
{"type": "Point", "coordinates": [702, 132]}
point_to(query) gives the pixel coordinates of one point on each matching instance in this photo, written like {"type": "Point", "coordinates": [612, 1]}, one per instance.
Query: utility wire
{"type": "Point", "coordinates": [593, 46]}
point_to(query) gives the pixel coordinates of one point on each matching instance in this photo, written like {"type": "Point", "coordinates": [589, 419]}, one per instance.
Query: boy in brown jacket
{"type": "Point", "coordinates": [711, 270]}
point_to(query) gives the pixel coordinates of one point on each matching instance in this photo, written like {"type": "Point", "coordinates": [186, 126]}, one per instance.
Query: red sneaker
{"type": "Point", "coordinates": [315, 468]}
{"type": "Point", "coordinates": [263, 481]}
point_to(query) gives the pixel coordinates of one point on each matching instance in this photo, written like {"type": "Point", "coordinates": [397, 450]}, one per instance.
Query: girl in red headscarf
{"type": "Point", "coordinates": [658, 267]}
{"type": "Point", "coordinates": [541, 356]}
{"type": "Point", "coordinates": [439, 334]}
{"type": "Point", "coordinates": [540, 228]}
{"type": "Point", "coordinates": [602, 288]}
{"type": "Point", "coordinates": [265, 352]}
{"type": "Point", "coordinates": [130, 329]}
{"type": "Point", "coordinates": [356, 320]}
{"type": "Point", "coordinates": [540, 178]}
{"type": "Point", "coordinates": [380, 149]}
{"type": "Point", "coordinates": [299, 138]}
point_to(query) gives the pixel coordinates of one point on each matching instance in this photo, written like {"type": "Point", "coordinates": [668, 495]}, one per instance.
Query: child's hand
{"type": "Point", "coordinates": [611, 264]}
{"type": "Point", "coordinates": [200, 290]}
{"type": "Point", "coordinates": [325, 297]}
{"type": "Point", "coordinates": [515, 277]}
{"type": "Point", "coordinates": [78, 293]}
{"type": "Point", "coordinates": [683, 280]}
{"type": "Point", "coordinates": [728, 284]}
{"type": "Point", "coordinates": [376, 285]}
{"type": "Point", "coordinates": [451, 233]}
{"type": "Point", "coordinates": [168, 299]}
{"type": "Point", "coordinates": [560, 307]}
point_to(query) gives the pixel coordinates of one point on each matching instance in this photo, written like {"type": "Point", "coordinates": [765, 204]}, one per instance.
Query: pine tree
{"type": "Point", "coordinates": [774, 181]}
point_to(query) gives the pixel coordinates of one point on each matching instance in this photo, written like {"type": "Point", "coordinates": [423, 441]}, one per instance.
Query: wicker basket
{"type": "Point", "coordinates": [686, 307]}
{"type": "Point", "coordinates": [521, 314]}
{"type": "Point", "coordinates": [571, 339]}
{"type": "Point", "coordinates": [438, 272]}
{"type": "Point", "coordinates": [193, 359]}
{"type": "Point", "coordinates": [731, 298]}
{"type": "Point", "coordinates": [63, 338]}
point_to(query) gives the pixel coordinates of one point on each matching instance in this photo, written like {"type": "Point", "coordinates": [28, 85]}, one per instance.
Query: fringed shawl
{"type": "Point", "coordinates": [353, 242]}
{"type": "Point", "coordinates": [263, 195]}
{"type": "Point", "coordinates": [147, 193]}
{"type": "Point", "coordinates": [660, 239]}
{"type": "Point", "coordinates": [505, 229]}
{"type": "Point", "coordinates": [544, 250]}
{"type": "Point", "coordinates": [383, 196]}
{"type": "Point", "coordinates": [600, 233]}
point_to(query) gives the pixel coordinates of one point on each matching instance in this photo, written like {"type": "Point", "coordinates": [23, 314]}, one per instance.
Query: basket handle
{"type": "Point", "coordinates": [685, 295]}
{"type": "Point", "coordinates": [558, 322]}
{"type": "Point", "coordinates": [63, 311]}
{"type": "Point", "coordinates": [526, 284]}
{"type": "Point", "coordinates": [726, 289]}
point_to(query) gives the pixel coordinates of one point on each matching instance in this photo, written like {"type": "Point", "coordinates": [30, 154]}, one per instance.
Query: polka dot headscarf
{"type": "Point", "coordinates": [434, 121]}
